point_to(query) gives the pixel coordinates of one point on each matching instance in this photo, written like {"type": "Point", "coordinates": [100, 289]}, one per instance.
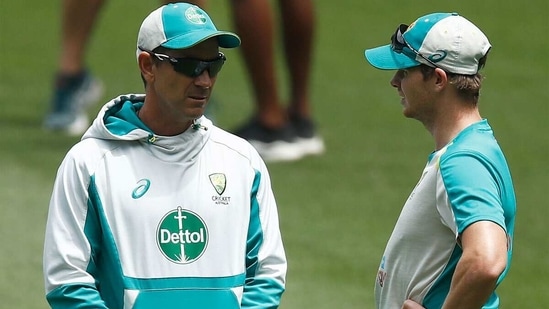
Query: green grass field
{"type": "Point", "coordinates": [337, 210]}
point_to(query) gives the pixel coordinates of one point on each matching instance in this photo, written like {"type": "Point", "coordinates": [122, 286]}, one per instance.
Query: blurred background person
{"type": "Point", "coordinates": [278, 132]}
{"type": "Point", "coordinates": [74, 87]}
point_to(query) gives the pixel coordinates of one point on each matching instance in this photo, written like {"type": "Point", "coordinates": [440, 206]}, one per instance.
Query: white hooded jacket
{"type": "Point", "coordinates": [143, 221]}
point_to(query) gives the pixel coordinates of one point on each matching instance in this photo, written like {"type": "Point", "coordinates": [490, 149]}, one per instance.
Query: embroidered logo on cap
{"type": "Point", "coordinates": [195, 16]}
{"type": "Point", "coordinates": [439, 55]}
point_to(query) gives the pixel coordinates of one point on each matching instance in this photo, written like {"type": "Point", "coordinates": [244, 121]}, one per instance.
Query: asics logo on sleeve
{"type": "Point", "coordinates": [142, 188]}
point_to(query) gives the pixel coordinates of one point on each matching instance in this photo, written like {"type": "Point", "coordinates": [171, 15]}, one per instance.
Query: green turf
{"type": "Point", "coordinates": [337, 210]}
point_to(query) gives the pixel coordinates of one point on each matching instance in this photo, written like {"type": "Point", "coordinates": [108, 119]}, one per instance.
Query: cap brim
{"type": "Point", "coordinates": [385, 58]}
{"type": "Point", "coordinates": [226, 39]}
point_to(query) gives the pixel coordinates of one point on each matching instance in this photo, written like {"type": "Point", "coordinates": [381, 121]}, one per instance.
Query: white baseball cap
{"type": "Point", "coordinates": [180, 26]}
{"type": "Point", "coordinates": [444, 40]}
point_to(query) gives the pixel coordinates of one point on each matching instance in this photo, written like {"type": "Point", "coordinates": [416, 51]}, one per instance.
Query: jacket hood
{"type": "Point", "coordinates": [118, 121]}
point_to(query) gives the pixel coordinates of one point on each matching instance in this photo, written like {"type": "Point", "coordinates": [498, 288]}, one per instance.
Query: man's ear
{"type": "Point", "coordinates": [146, 64]}
{"type": "Point", "coordinates": [441, 78]}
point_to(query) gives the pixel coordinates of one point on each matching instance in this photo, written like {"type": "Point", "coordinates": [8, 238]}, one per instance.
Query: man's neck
{"type": "Point", "coordinates": [448, 125]}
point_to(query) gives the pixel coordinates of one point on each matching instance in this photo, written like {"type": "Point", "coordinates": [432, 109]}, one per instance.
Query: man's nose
{"type": "Point", "coordinates": [204, 79]}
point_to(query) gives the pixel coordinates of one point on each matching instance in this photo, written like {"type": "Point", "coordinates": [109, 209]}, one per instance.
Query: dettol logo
{"type": "Point", "coordinates": [182, 236]}
{"type": "Point", "coordinates": [195, 16]}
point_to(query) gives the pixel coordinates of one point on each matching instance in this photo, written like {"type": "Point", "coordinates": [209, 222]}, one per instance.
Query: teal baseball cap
{"type": "Point", "coordinates": [180, 26]}
{"type": "Point", "coordinates": [444, 40]}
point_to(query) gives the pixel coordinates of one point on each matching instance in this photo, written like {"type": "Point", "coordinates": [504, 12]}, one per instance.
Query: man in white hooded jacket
{"type": "Point", "coordinates": [156, 207]}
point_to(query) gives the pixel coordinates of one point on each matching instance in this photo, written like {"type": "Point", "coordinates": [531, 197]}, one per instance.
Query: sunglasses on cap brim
{"type": "Point", "coordinates": [400, 46]}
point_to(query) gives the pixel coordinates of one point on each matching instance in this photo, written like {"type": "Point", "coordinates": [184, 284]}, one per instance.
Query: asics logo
{"type": "Point", "coordinates": [142, 188]}
{"type": "Point", "coordinates": [439, 55]}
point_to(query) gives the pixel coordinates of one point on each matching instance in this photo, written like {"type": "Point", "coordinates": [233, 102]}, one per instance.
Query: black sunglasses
{"type": "Point", "coordinates": [399, 45]}
{"type": "Point", "coordinates": [193, 67]}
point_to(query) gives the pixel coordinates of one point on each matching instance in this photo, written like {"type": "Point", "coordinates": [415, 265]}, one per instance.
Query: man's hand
{"type": "Point", "coordinates": [410, 304]}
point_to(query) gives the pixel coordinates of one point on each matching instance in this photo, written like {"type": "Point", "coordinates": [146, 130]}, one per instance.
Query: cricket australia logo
{"type": "Point", "coordinates": [219, 182]}
{"type": "Point", "coordinates": [381, 274]}
{"type": "Point", "coordinates": [182, 236]}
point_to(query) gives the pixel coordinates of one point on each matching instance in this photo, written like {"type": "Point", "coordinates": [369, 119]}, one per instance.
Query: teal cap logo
{"type": "Point", "coordinates": [182, 236]}
{"type": "Point", "coordinates": [195, 16]}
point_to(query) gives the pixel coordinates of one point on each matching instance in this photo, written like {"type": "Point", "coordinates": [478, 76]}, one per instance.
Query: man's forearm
{"type": "Point", "coordinates": [472, 285]}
